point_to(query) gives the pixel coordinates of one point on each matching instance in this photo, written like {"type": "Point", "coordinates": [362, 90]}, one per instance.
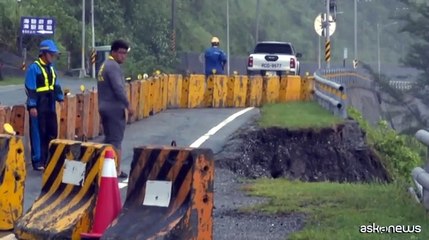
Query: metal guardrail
{"type": "Point", "coordinates": [329, 95]}
{"type": "Point", "coordinates": [421, 175]}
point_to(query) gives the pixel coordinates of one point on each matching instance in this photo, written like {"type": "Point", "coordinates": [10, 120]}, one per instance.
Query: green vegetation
{"type": "Point", "coordinates": [296, 115]}
{"type": "Point", "coordinates": [147, 26]}
{"type": "Point", "coordinates": [400, 153]}
{"type": "Point", "coordinates": [337, 211]}
{"type": "Point", "coordinates": [11, 81]}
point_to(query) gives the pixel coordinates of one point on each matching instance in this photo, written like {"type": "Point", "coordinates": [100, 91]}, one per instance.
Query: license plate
{"type": "Point", "coordinates": [270, 73]}
{"type": "Point", "coordinates": [271, 65]}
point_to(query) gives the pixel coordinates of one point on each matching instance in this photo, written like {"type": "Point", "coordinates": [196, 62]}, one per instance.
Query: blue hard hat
{"type": "Point", "coordinates": [49, 46]}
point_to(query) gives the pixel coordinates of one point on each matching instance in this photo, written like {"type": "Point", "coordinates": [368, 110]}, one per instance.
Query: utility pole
{"type": "Point", "coordinates": [173, 27]}
{"type": "Point", "coordinates": [328, 42]}
{"type": "Point", "coordinates": [93, 39]}
{"type": "Point", "coordinates": [227, 36]}
{"type": "Point", "coordinates": [258, 15]}
{"type": "Point", "coordinates": [83, 71]}
{"type": "Point", "coordinates": [355, 29]}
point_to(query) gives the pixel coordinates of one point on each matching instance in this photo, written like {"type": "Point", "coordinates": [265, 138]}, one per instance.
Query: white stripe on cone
{"type": "Point", "coordinates": [109, 168]}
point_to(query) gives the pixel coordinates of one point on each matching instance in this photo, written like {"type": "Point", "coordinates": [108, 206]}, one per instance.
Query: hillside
{"type": "Point", "coordinates": [147, 25]}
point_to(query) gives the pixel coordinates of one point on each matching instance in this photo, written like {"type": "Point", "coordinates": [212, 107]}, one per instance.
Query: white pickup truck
{"type": "Point", "coordinates": [273, 58]}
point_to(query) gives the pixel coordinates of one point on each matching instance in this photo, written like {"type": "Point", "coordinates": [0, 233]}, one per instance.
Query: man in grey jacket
{"type": "Point", "coordinates": [112, 99]}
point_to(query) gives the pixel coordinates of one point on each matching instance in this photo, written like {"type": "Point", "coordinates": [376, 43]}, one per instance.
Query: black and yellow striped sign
{"type": "Point", "coordinates": [63, 210]}
{"type": "Point", "coordinates": [191, 172]}
{"type": "Point", "coordinates": [12, 180]}
{"type": "Point", "coordinates": [93, 56]}
{"type": "Point", "coordinates": [328, 51]}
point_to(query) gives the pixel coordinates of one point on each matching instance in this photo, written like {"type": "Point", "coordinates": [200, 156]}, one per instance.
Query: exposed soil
{"type": "Point", "coordinates": [337, 154]}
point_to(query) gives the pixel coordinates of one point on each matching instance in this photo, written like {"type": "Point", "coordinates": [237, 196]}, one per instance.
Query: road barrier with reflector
{"type": "Point", "coordinates": [12, 180]}
{"type": "Point", "coordinates": [67, 200]}
{"type": "Point", "coordinates": [169, 196]}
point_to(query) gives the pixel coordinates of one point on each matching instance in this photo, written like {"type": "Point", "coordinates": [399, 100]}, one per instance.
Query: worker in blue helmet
{"type": "Point", "coordinates": [43, 91]}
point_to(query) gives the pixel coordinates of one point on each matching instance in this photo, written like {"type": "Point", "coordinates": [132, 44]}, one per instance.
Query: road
{"type": "Point", "coordinates": [206, 128]}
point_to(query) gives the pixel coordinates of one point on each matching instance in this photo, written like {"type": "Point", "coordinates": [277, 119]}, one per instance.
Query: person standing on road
{"type": "Point", "coordinates": [215, 58]}
{"type": "Point", "coordinates": [112, 99]}
{"type": "Point", "coordinates": [43, 91]}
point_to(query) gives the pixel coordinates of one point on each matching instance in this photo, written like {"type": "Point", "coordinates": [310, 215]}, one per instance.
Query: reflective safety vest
{"type": "Point", "coordinates": [46, 81]}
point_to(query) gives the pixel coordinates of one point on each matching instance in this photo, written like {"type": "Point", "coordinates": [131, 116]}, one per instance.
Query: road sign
{"type": "Point", "coordinates": [37, 25]}
{"type": "Point", "coordinates": [319, 25]}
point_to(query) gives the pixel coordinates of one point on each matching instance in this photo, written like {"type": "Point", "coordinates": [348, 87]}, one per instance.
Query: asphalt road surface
{"type": "Point", "coordinates": [205, 128]}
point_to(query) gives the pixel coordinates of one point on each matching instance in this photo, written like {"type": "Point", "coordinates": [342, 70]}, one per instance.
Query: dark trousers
{"type": "Point", "coordinates": [43, 129]}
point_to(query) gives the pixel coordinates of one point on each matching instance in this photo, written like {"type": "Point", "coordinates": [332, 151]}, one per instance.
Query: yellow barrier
{"type": "Point", "coordinates": [254, 92]}
{"type": "Point", "coordinates": [164, 92]}
{"type": "Point", "coordinates": [12, 180]}
{"type": "Point", "coordinates": [184, 99]}
{"type": "Point", "coordinates": [134, 99]}
{"type": "Point", "coordinates": [174, 91]}
{"type": "Point", "coordinates": [70, 184]}
{"type": "Point", "coordinates": [237, 91]}
{"type": "Point", "coordinates": [209, 93]}
{"type": "Point", "coordinates": [156, 90]}
{"type": "Point", "coordinates": [270, 89]}
{"type": "Point", "coordinates": [182, 179]}
{"type": "Point", "coordinates": [220, 91]}
{"type": "Point", "coordinates": [197, 87]}
{"type": "Point", "coordinates": [293, 89]}
{"type": "Point", "coordinates": [82, 115]}
{"type": "Point", "coordinates": [146, 89]}
{"type": "Point", "coordinates": [67, 127]}
{"type": "Point", "coordinates": [4, 116]}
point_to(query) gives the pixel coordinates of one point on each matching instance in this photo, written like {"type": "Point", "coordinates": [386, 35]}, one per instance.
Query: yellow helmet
{"type": "Point", "coordinates": [215, 40]}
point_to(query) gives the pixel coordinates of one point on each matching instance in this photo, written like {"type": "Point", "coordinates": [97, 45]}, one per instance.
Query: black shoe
{"type": "Point", "coordinates": [123, 175]}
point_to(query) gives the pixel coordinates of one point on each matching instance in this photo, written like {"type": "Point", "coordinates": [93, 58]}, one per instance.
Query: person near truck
{"type": "Point", "coordinates": [43, 91]}
{"type": "Point", "coordinates": [215, 58]}
{"type": "Point", "coordinates": [113, 103]}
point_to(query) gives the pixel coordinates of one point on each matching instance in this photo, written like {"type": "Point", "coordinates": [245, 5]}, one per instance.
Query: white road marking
{"type": "Point", "coordinates": [206, 136]}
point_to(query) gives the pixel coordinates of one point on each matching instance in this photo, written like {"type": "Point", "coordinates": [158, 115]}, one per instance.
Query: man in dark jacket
{"type": "Point", "coordinates": [112, 99]}
{"type": "Point", "coordinates": [43, 90]}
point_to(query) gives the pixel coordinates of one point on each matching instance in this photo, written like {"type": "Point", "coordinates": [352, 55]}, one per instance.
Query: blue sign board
{"type": "Point", "coordinates": [37, 25]}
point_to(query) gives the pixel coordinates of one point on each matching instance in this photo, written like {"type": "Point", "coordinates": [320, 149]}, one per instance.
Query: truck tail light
{"type": "Point", "coordinates": [250, 62]}
{"type": "Point", "coordinates": [292, 63]}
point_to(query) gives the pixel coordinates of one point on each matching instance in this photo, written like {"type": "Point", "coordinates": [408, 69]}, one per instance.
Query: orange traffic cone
{"type": "Point", "coordinates": [108, 204]}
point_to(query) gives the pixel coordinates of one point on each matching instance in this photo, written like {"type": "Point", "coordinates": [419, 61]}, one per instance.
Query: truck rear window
{"type": "Point", "coordinates": [273, 48]}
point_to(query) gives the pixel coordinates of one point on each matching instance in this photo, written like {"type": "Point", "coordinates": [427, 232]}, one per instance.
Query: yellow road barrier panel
{"type": "Point", "coordinates": [67, 127]}
{"type": "Point", "coordinates": [184, 100]}
{"type": "Point", "coordinates": [70, 183]}
{"type": "Point", "coordinates": [293, 92]}
{"type": "Point", "coordinates": [270, 89]}
{"type": "Point", "coordinates": [174, 91]}
{"type": "Point", "coordinates": [169, 196]}
{"type": "Point", "coordinates": [147, 100]}
{"type": "Point", "coordinates": [208, 94]}
{"type": "Point", "coordinates": [197, 87]}
{"type": "Point", "coordinates": [156, 101]}
{"type": "Point", "coordinates": [94, 116]}
{"type": "Point", "coordinates": [164, 91]}
{"type": "Point", "coordinates": [134, 99]}
{"type": "Point", "coordinates": [12, 178]}
{"type": "Point", "coordinates": [220, 91]}
{"type": "Point", "coordinates": [82, 115]}
{"type": "Point", "coordinates": [237, 91]}
{"type": "Point", "coordinates": [18, 116]}
{"type": "Point", "coordinates": [254, 91]}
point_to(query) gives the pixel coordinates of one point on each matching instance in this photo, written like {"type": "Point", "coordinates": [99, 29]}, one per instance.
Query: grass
{"type": "Point", "coordinates": [296, 115]}
{"type": "Point", "coordinates": [337, 211]}
{"type": "Point", "coordinates": [12, 81]}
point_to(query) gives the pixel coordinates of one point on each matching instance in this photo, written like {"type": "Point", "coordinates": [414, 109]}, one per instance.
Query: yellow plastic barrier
{"type": "Point", "coordinates": [174, 91]}
{"type": "Point", "coordinates": [271, 87]}
{"type": "Point", "coordinates": [184, 99]}
{"type": "Point", "coordinates": [237, 91]}
{"type": "Point", "coordinates": [164, 92]}
{"type": "Point", "coordinates": [220, 91]}
{"type": "Point", "coordinates": [209, 91]}
{"type": "Point", "coordinates": [293, 92]}
{"type": "Point", "coordinates": [254, 91]}
{"type": "Point", "coordinates": [182, 181]}
{"type": "Point", "coordinates": [67, 127]}
{"type": "Point", "coordinates": [4, 116]}
{"type": "Point", "coordinates": [12, 180]}
{"type": "Point", "coordinates": [70, 184]}
{"type": "Point", "coordinates": [197, 88]}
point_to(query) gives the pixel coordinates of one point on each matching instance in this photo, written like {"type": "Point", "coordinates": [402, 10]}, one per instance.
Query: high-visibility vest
{"type": "Point", "coordinates": [48, 82]}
